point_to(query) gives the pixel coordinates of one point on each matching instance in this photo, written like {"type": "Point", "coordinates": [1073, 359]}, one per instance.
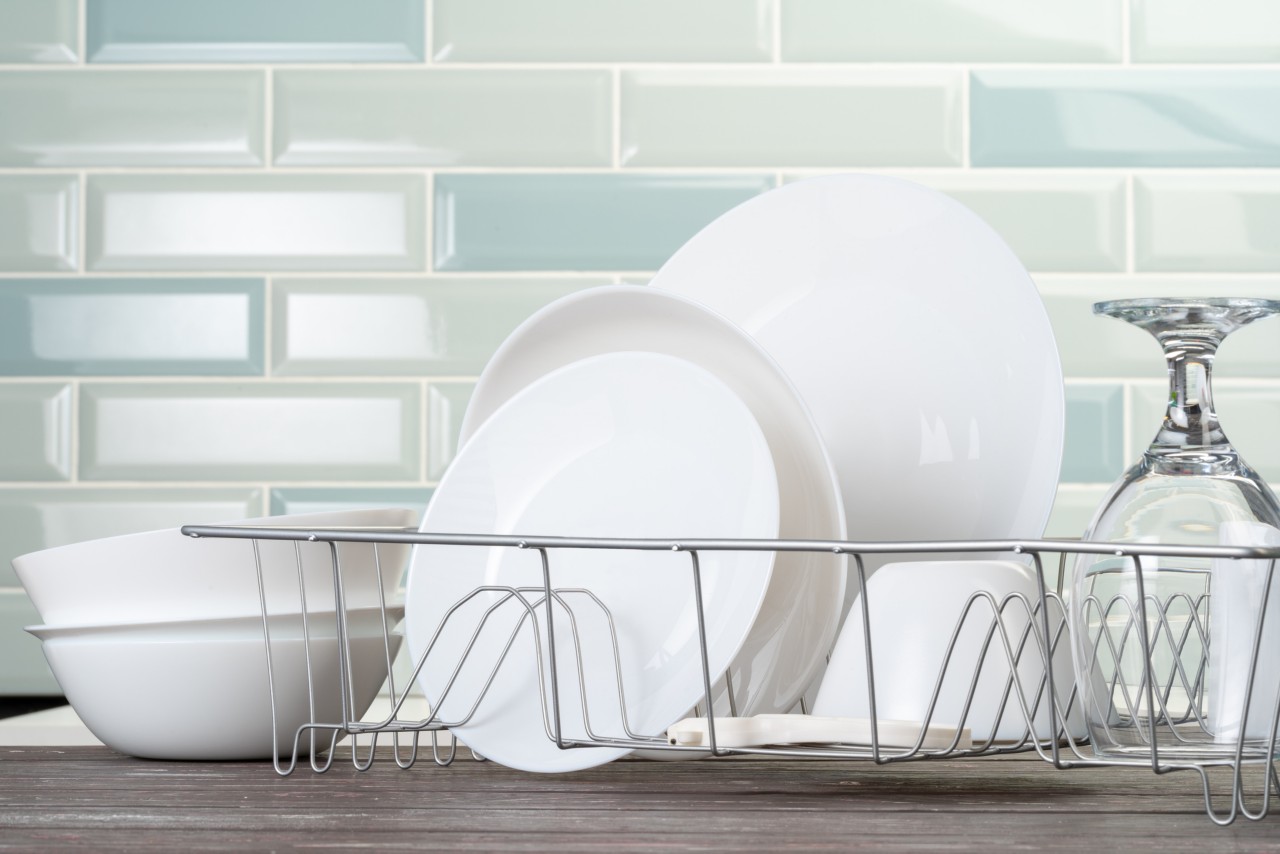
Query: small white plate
{"type": "Point", "coordinates": [915, 336]}
{"type": "Point", "coordinates": [622, 445]}
{"type": "Point", "coordinates": [798, 620]}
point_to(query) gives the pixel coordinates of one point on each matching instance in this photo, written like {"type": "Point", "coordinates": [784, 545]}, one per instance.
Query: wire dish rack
{"type": "Point", "coordinates": [1168, 639]}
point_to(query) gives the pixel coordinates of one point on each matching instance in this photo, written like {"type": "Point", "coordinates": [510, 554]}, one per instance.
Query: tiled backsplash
{"type": "Point", "coordinates": [252, 256]}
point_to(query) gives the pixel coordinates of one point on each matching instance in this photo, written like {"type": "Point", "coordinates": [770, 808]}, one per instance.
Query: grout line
{"type": "Point", "coordinates": [355, 274]}
{"type": "Point", "coordinates": [776, 35]}
{"type": "Point", "coordinates": [75, 432]}
{"type": "Point", "coordinates": [1130, 217]}
{"type": "Point", "coordinates": [62, 485]}
{"type": "Point", "coordinates": [268, 309]}
{"type": "Point", "coordinates": [424, 428]}
{"type": "Point", "coordinates": [268, 119]}
{"type": "Point", "coordinates": [428, 51]}
{"type": "Point", "coordinates": [429, 220]}
{"type": "Point", "coordinates": [877, 68]}
{"type": "Point", "coordinates": [264, 506]}
{"type": "Point", "coordinates": [82, 222]}
{"type": "Point", "coordinates": [966, 160]}
{"type": "Point", "coordinates": [1126, 32]}
{"type": "Point", "coordinates": [617, 119]}
{"type": "Point", "coordinates": [82, 32]}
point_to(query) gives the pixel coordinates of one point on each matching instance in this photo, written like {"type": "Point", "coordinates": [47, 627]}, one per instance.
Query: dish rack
{"type": "Point", "coordinates": [1016, 627]}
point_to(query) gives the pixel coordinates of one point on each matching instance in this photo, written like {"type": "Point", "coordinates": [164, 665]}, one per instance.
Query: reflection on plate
{"type": "Point", "coordinates": [620, 445]}
{"type": "Point", "coordinates": [798, 621]}
{"type": "Point", "coordinates": [915, 336]}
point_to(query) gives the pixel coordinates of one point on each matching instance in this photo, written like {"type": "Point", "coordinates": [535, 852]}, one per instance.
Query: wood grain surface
{"type": "Point", "coordinates": [92, 799]}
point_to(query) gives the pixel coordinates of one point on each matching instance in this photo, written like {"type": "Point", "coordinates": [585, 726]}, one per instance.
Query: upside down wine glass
{"type": "Point", "coordinates": [1177, 636]}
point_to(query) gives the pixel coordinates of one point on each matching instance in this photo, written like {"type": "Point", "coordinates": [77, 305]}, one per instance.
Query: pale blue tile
{"type": "Point", "coordinates": [293, 500]}
{"type": "Point", "coordinates": [951, 30]}
{"type": "Point", "coordinates": [1125, 117]}
{"type": "Point", "coordinates": [26, 672]}
{"type": "Point", "coordinates": [131, 118]}
{"type": "Point", "coordinates": [577, 222]}
{"type": "Point", "coordinates": [1054, 222]}
{"type": "Point", "coordinates": [100, 326]}
{"type": "Point", "coordinates": [35, 420]}
{"type": "Point", "coordinates": [256, 222]}
{"type": "Point", "coordinates": [1093, 451]}
{"type": "Point", "coordinates": [1094, 346]}
{"type": "Point", "coordinates": [38, 30]}
{"type": "Point", "coordinates": [1248, 414]}
{"type": "Point", "coordinates": [252, 31]}
{"type": "Point", "coordinates": [446, 404]}
{"type": "Point", "coordinates": [32, 519]}
{"type": "Point", "coordinates": [1073, 510]}
{"type": "Point", "coordinates": [1226, 223]}
{"type": "Point", "coordinates": [458, 118]}
{"type": "Point", "coordinates": [250, 431]}
{"type": "Point", "coordinates": [38, 215]}
{"type": "Point", "coordinates": [1195, 31]}
{"type": "Point", "coordinates": [792, 117]}
{"type": "Point", "coordinates": [404, 327]}
{"type": "Point", "coordinates": [602, 30]}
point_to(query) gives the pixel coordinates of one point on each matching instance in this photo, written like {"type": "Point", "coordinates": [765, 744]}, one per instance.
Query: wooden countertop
{"type": "Point", "coordinates": [90, 798]}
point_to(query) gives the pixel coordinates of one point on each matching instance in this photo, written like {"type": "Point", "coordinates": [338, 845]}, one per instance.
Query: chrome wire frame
{"type": "Point", "coordinates": [1145, 621]}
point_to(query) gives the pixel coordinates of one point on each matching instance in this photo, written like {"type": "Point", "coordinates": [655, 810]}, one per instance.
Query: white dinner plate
{"type": "Point", "coordinates": [800, 615]}
{"type": "Point", "coordinates": [620, 445]}
{"type": "Point", "coordinates": [915, 336]}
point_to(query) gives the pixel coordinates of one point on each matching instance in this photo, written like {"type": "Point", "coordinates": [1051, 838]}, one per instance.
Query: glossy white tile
{"type": "Point", "coordinates": [256, 222]}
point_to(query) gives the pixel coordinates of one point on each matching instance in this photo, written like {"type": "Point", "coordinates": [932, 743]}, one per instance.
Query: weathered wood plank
{"type": "Point", "coordinates": [93, 799]}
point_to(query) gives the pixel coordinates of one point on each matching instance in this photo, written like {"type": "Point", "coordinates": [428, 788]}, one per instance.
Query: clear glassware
{"type": "Point", "coordinates": [1201, 616]}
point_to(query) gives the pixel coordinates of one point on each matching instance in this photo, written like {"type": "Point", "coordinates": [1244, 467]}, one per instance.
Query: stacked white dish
{"type": "Point", "coordinates": [158, 640]}
{"type": "Point", "coordinates": [861, 315]}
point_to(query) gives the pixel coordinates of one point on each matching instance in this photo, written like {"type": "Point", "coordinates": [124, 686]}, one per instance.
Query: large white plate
{"type": "Point", "coordinates": [915, 336]}
{"type": "Point", "coordinates": [798, 621]}
{"type": "Point", "coordinates": [619, 445]}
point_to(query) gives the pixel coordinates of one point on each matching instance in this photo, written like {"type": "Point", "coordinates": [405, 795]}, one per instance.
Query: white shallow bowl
{"type": "Point", "coordinates": [628, 445]}
{"type": "Point", "coordinates": [160, 576]}
{"type": "Point", "coordinates": [915, 336]}
{"type": "Point", "coordinates": [797, 624]}
{"type": "Point", "coordinates": [200, 691]}
{"type": "Point", "coordinates": [915, 608]}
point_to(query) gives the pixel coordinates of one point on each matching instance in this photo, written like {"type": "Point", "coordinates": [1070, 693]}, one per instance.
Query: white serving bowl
{"type": "Point", "coordinates": [915, 608]}
{"type": "Point", "coordinates": [160, 576]}
{"type": "Point", "coordinates": [199, 690]}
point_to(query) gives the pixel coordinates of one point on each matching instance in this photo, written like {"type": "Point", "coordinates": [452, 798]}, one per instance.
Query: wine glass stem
{"type": "Point", "coordinates": [1190, 421]}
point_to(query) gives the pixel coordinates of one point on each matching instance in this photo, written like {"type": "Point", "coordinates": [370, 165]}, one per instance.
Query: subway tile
{"type": "Point", "coordinates": [107, 326]}
{"type": "Point", "coordinates": [1248, 414]}
{"type": "Point", "coordinates": [131, 118]}
{"type": "Point", "coordinates": [38, 31]}
{"type": "Point", "coordinates": [602, 30]}
{"type": "Point", "coordinates": [38, 215]}
{"type": "Point", "coordinates": [1192, 31]}
{"type": "Point", "coordinates": [951, 31]}
{"type": "Point", "coordinates": [35, 518]}
{"type": "Point", "coordinates": [791, 117]}
{"type": "Point", "coordinates": [251, 31]}
{"type": "Point", "coordinates": [576, 222]}
{"type": "Point", "coordinates": [446, 404]}
{"type": "Point", "coordinates": [416, 327]}
{"type": "Point", "coordinates": [1054, 223]}
{"type": "Point", "coordinates": [301, 499]}
{"type": "Point", "coordinates": [1073, 510]}
{"type": "Point", "coordinates": [25, 671]}
{"type": "Point", "coordinates": [458, 118]}
{"type": "Point", "coordinates": [1094, 448]}
{"type": "Point", "coordinates": [256, 222]}
{"type": "Point", "coordinates": [1098, 346]}
{"type": "Point", "coordinates": [1224, 223]}
{"type": "Point", "coordinates": [249, 431]}
{"type": "Point", "coordinates": [37, 431]}
{"type": "Point", "coordinates": [1125, 117]}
